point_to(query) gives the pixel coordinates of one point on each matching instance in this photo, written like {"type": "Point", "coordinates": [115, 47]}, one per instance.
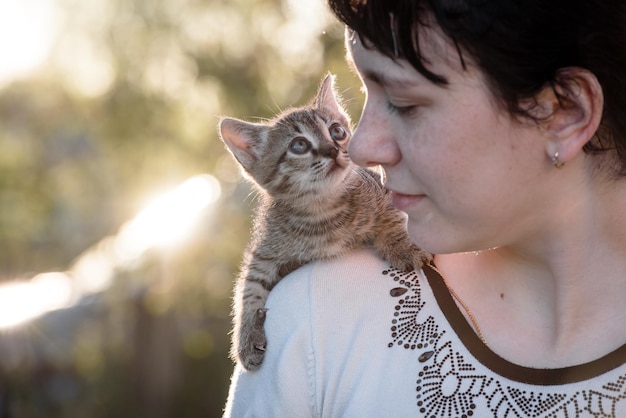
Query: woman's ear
{"type": "Point", "coordinates": [575, 104]}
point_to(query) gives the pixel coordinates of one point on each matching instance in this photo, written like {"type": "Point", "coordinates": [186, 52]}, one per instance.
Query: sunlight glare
{"type": "Point", "coordinates": [169, 219]}
{"type": "Point", "coordinates": [21, 301]}
{"type": "Point", "coordinates": [93, 271]}
{"type": "Point", "coordinates": [28, 29]}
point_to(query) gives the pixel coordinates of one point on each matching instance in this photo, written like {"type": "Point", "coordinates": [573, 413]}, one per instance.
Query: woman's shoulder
{"type": "Point", "coordinates": [324, 322]}
{"type": "Point", "coordinates": [327, 288]}
{"type": "Point", "coordinates": [328, 319]}
{"type": "Point", "coordinates": [363, 265]}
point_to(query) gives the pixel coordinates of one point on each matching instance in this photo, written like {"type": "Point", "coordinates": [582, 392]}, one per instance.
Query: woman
{"type": "Point", "coordinates": [501, 128]}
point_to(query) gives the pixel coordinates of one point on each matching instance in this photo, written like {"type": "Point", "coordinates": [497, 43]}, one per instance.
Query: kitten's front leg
{"type": "Point", "coordinates": [395, 246]}
{"type": "Point", "coordinates": [253, 287]}
{"type": "Point", "coordinates": [249, 340]}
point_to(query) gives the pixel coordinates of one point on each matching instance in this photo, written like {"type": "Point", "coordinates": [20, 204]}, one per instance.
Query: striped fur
{"type": "Point", "coordinates": [314, 204]}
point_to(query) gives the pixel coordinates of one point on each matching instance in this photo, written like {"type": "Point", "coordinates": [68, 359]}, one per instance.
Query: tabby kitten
{"type": "Point", "coordinates": [314, 204]}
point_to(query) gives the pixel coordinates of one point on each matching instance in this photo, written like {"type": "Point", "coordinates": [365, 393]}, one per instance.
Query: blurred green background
{"type": "Point", "coordinates": [122, 218]}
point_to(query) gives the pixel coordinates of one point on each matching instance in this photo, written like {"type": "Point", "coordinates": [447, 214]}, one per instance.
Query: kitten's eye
{"type": "Point", "coordinates": [299, 145]}
{"type": "Point", "coordinates": [337, 133]}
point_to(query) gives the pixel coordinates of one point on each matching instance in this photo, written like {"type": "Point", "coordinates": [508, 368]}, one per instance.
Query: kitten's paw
{"type": "Point", "coordinates": [252, 344]}
{"type": "Point", "coordinates": [413, 259]}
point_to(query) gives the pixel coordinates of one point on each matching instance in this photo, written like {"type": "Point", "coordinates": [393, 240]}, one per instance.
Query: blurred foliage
{"type": "Point", "coordinates": [126, 107]}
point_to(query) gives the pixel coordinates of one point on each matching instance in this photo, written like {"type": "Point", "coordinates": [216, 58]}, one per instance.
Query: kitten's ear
{"type": "Point", "coordinates": [244, 140]}
{"type": "Point", "coordinates": [326, 97]}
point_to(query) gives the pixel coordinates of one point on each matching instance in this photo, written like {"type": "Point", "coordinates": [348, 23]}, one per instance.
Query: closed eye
{"type": "Point", "coordinates": [401, 110]}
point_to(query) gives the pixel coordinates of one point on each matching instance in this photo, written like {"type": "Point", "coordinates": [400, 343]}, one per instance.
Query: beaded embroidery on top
{"type": "Point", "coordinates": [449, 384]}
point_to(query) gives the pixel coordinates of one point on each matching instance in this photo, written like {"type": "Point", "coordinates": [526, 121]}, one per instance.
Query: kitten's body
{"type": "Point", "coordinates": [314, 204]}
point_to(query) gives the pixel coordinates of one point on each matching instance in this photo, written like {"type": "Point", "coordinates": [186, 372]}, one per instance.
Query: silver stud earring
{"type": "Point", "coordinates": [555, 160]}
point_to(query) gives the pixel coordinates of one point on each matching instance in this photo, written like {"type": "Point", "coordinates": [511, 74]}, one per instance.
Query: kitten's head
{"type": "Point", "coordinates": [301, 151]}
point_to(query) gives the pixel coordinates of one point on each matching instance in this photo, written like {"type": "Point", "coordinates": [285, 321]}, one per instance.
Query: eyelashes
{"type": "Point", "coordinates": [401, 110]}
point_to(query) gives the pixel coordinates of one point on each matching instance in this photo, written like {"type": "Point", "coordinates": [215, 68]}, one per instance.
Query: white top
{"type": "Point", "coordinates": [354, 338]}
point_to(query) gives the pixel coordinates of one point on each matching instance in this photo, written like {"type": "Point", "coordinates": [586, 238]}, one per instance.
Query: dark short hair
{"type": "Point", "coordinates": [519, 45]}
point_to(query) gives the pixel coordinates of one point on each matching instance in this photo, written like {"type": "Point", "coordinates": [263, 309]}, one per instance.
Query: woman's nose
{"type": "Point", "coordinates": [372, 142]}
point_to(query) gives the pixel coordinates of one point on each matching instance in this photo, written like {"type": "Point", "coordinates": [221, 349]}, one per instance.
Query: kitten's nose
{"type": "Point", "coordinates": [329, 150]}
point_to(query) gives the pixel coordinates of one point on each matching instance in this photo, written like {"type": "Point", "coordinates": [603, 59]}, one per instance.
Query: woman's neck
{"type": "Point", "coordinates": [556, 299]}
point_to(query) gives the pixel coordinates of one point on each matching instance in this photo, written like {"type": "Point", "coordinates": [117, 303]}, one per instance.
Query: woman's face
{"type": "Point", "coordinates": [467, 175]}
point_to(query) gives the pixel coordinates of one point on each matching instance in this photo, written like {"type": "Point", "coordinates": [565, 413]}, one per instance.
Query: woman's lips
{"type": "Point", "coordinates": [404, 202]}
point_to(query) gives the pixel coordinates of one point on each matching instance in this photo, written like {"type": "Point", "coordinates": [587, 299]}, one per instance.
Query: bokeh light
{"type": "Point", "coordinates": [21, 301]}
{"type": "Point", "coordinates": [168, 219]}
{"type": "Point", "coordinates": [28, 30]}
{"type": "Point", "coordinates": [166, 222]}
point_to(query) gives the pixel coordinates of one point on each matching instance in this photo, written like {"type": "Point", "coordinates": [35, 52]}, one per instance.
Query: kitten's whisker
{"type": "Point", "coordinates": [260, 119]}
{"type": "Point", "coordinates": [253, 196]}
{"type": "Point", "coordinates": [278, 109]}
{"type": "Point", "coordinates": [345, 100]}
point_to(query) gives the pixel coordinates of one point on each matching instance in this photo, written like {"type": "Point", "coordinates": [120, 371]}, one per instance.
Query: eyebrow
{"type": "Point", "coordinates": [386, 80]}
